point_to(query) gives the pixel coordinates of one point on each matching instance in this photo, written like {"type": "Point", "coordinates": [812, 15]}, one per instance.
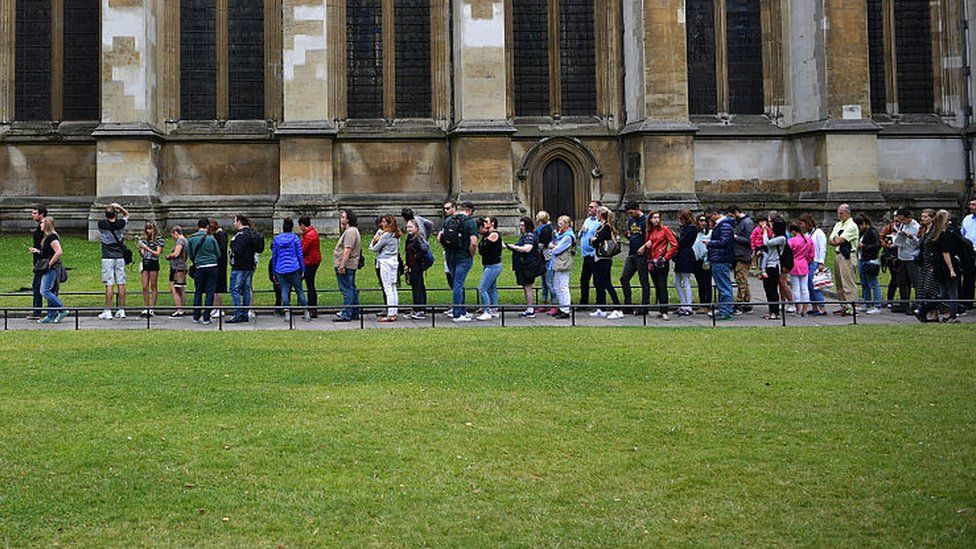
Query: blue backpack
{"type": "Point", "coordinates": [426, 258]}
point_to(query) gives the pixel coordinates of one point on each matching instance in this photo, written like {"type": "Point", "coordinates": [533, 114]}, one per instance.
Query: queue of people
{"type": "Point", "coordinates": [931, 257]}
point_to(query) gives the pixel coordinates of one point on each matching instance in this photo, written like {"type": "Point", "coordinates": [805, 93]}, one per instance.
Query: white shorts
{"type": "Point", "coordinates": [113, 271]}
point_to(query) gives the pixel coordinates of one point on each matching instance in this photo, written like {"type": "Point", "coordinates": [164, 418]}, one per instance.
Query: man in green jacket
{"type": "Point", "coordinates": [203, 251]}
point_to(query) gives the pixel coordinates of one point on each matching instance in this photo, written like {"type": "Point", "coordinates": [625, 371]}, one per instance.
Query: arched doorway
{"type": "Point", "coordinates": [559, 189]}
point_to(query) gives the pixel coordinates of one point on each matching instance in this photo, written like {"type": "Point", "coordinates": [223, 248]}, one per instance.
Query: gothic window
{"type": "Point", "coordinates": [725, 58]}
{"type": "Point", "coordinates": [577, 57]}
{"type": "Point", "coordinates": [198, 59]}
{"type": "Point", "coordinates": [900, 40]}
{"type": "Point", "coordinates": [222, 60]}
{"type": "Point", "coordinates": [913, 46]}
{"type": "Point", "coordinates": [554, 61]}
{"type": "Point", "coordinates": [702, 92]}
{"type": "Point", "coordinates": [531, 57]}
{"type": "Point", "coordinates": [364, 58]}
{"type": "Point", "coordinates": [412, 74]}
{"type": "Point", "coordinates": [388, 59]}
{"type": "Point", "coordinates": [56, 76]}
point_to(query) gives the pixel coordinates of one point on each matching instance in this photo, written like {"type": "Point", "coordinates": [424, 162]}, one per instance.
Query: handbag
{"type": "Point", "coordinates": [657, 264]}
{"type": "Point", "coordinates": [126, 252]}
{"type": "Point", "coordinates": [823, 280]}
{"type": "Point", "coordinates": [871, 268]}
{"type": "Point", "coordinates": [42, 265]}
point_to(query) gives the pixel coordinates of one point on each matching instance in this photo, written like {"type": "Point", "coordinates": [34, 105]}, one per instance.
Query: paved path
{"type": "Point", "coordinates": [266, 321]}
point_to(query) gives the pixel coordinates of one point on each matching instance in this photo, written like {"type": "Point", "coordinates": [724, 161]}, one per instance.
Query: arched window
{"type": "Point", "coordinates": [388, 59]}
{"type": "Point", "coordinates": [554, 61]}
{"type": "Point", "coordinates": [725, 59]}
{"type": "Point", "coordinates": [56, 74]}
{"type": "Point", "coordinates": [902, 82]}
{"type": "Point", "coordinates": [222, 60]}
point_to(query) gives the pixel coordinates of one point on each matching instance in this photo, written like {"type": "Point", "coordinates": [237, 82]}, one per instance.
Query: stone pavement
{"type": "Point", "coordinates": [267, 321]}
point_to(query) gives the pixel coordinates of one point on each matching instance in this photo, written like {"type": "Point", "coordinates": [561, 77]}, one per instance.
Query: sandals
{"type": "Point", "coordinates": [769, 316]}
{"type": "Point", "coordinates": [392, 318]}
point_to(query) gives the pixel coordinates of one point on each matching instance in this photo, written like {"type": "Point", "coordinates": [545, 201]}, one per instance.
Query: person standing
{"type": "Point", "coordinates": [459, 236]}
{"type": "Point", "coordinates": [803, 253]}
{"type": "Point", "coordinates": [244, 250]}
{"type": "Point", "coordinates": [869, 264]}
{"type": "Point", "coordinates": [386, 246]}
{"type": "Point", "coordinates": [490, 249]}
{"type": "Point", "coordinates": [177, 271]}
{"type": "Point", "coordinates": [744, 226]}
{"type": "Point", "coordinates": [907, 233]}
{"type": "Point", "coordinates": [289, 266]}
{"type": "Point", "coordinates": [587, 232]}
{"type": "Point", "coordinates": [770, 268]}
{"type": "Point", "coordinates": [527, 263]}
{"type": "Point", "coordinates": [636, 260]}
{"type": "Point", "coordinates": [543, 231]}
{"type": "Point", "coordinates": [38, 213]}
{"type": "Point", "coordinates": [819, 239]}
{"type": "Point", "coordinates": [845, 236]}
{"type": "Point", "coordinates": [312, 253]}
{"type": "Point", "coordinates": [967, 290]}
{"type": "Point", "coordinates": [703, 271]}
{"type": "Point", "coordinates": [952, 248]}
{"type": "Point", "coordinates": [417, 251]}
{"type": "Point", "coordinates": [889, 261]}
{"type": "Point", "coordinates": [111, 232]}
{"type": "Point", "coordinates": [220, 287]}
{"type": "Point", "coordinates": [203, 251]}
{"type": "Point", "coordinates": [150, 248]}
{"type": "Point", "coordinates": [660, 247]}
{"type": "Point", "coordinates": [346, 259]}
{"type": "Point", "coordinates": [684, 262]}
{"type": "Point", "coordinates": [721, 259]}
{"type": "Point", "coordinates": [603, 265]}
{"type": "Point", "coordinates": [425, 227]}
{"type": "Point", "coordinates": [50, 254]}
{"type": "Point", "coordinates": [563, 247]}
{"type": "Point", "coordinates": [449, 211]}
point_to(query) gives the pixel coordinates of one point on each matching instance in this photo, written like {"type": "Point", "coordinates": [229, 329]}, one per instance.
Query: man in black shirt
{"type": "Point", "coordinates": [38, 214]}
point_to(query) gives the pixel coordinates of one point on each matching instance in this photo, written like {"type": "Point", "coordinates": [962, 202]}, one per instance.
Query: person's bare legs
{"type": "Point", "coordinates": [146, 289]}
{"type": "Point", "coordinates": [154, 285]}
{"type": "Point", "coordinates": [108, 296]}
{"type": "Point", "coordinates": [529, 296]}
{"type": "Point", "coordinates": [121, 296]}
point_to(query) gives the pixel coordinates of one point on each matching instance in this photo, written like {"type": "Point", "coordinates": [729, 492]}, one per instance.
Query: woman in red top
{"type": "Point", "coordinates": [660, 245]}
{"type": "Point", "coordinates": [313, 257]}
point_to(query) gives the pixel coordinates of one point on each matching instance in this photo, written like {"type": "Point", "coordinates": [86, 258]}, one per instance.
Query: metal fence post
{"type": "Point", "coordinates": [714, 313]}
{"type": "Point", "coordinates": [77, 326]}
{"type": "Point", "coordinates": [572, 313]}
{"type": "Point", "coordinates": [854, 312]}
{"type": "Point", "coordinates": [502, 311]}
{"type": "Point", "coordinates": [5, 313]}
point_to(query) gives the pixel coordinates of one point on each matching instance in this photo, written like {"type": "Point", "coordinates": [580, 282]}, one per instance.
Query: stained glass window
{"type": "Point", "coordinates": [198, 60]}
{"type": "Point", "coordinates": [81, 59]}
{"type": "Point", "coordinates": [577, 57]}
{"type": "Point", "coordinates": [531, 57]}
{"type": "Point", "coordinates": [702, 92]}
{"type": "Point", "coordinates": [744, 41]}
{"type": "Point", "coordinates": [245, 58]}
{"type": "Point", "coordinates": [364, 58]}
{"type": "Point", "coordinates": [32, 70]}
{"type": "Point", "coordinates": [413, 86]}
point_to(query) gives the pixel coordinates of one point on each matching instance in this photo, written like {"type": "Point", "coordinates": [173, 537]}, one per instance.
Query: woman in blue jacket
{"type": "Point", "coordinates": [289, 266]}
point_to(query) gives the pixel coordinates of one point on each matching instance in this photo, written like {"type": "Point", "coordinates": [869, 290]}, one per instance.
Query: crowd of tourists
{"type": "Point", "coordinates": [931, 260]}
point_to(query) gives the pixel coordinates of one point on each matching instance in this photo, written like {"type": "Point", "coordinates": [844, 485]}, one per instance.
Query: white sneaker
{"type": "Point", "coordinates": [106, 315]}
{"type": "Point", "coordinates": [120, 313]}
{"type": "Point", "coordinates": [790, 309]}
{"type": "Point", "coordinates": [287, 317]}
{"type": "Point", "coordinates": [873, 311]}
{"type": "Point", "coordinates": [215, 313]}
{"type": "Point", "coordinates": [308, 316]}
{"type": "Point", "coordinates": [465, 318]}
{"type": "Point", "coordinates": [449, 313]}
{"type": "Point", "coordinates": [144, 313]}
{"type": "Point", "coordinates": [496, 314]}
{"type": "Point", "coordinates": [250, 314]}
{"type": "Point", "coordinates": [615, 315]}
{"type": "Point", "coordinates": [598, 313]}
{"type": "Point", "coordinates": [485, 316]}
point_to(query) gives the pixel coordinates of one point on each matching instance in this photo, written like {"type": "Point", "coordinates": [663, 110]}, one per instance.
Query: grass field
{"type": "Point", "coordinates": [83, 259]}
{"type": "Point", "coordinates": [490, 437]}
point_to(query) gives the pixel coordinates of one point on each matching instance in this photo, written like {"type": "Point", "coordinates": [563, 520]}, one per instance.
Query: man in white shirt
{"type": "Point", "coordinates": [906, 240]}
{"type": "Point", "coordinates": [969, 268]}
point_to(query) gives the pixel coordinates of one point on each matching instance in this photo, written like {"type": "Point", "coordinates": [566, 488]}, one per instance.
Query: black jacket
{"type": "Point", "coordinates": [870, 244]}
{"type": "Point", "coordinates": [743, 244]}
{"type": "Point", "coordinates": [243, 246]}
{"type": "Point", "coordinates": [684, 259]}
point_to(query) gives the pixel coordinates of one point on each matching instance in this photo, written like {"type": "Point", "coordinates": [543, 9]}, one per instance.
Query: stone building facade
{"type": "Point", "coordinates": [182, 108]}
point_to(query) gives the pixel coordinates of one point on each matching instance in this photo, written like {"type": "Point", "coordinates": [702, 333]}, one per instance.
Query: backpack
{"type": "Point", "coordinates": [425, 259]}
{"type": "Point", "coordinates": [452, 235]}
{"type": "Point", "coordinates": [786, 259]}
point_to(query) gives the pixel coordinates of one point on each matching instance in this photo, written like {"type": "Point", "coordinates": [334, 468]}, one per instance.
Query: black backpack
{"type": "Point", "coordinates": [452, 235]}
{"type": "Point", "coordinates": [786, 259]}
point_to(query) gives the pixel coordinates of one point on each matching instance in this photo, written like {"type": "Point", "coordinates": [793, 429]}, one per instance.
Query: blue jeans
{"type": "Point", "coordinates": [548, 290]}
{"type": "Point", "coordinates": [240, 291]}
{"type": "Point", "coordinates": [350, 295]}
{"type": "Point", "coordinates": [816, 296]}
{"type": "Point", "coordinates": [205, 282]}
{"type": "Point", "coordinates": [48, 281]}
{"type": "Point", "coordinates": [459, 264]}
{"type": "Point", "coordinates": [870, 287]}
{"type": "Point", "coordinates": [488, 288]}
{"type": "Point", "coordinates": [721, 274]}
{"type": "Point", "coordinates": [289, 282]}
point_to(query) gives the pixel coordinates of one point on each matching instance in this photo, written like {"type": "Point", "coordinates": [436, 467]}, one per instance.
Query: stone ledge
{"type": "Point", "coordinates": [660, 127]}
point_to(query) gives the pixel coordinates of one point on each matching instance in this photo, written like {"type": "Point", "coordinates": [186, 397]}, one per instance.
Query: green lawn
{"type": "Point", "coordinates": [483, 438]}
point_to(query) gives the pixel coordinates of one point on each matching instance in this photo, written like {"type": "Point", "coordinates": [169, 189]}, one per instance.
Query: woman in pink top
{"type": "Point", "coordinates": [803, 251]}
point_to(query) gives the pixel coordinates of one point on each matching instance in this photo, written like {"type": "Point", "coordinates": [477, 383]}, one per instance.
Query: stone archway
{"type": "Point", "coordinates": [586, 172]}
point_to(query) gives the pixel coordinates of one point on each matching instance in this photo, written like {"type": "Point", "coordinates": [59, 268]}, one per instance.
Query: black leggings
{"type": "Point", "coordinates": [771, 286]}
{"type": "Point", "coordinates": [660, 279]}
{"type": "Point", "coordinates": [601, 280]}
{"type": "Point", "coordinates": [704, 280]}
{"type": "Point", "coordinates": [313, 294]}
{"type": "Point", "coordinates": [419, 290]}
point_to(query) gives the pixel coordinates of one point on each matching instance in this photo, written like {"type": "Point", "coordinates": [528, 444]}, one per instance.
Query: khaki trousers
{"type": "Point", "coordinates": [844, 277]}
{"type": "Point", "coordinates": [742, 294]}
